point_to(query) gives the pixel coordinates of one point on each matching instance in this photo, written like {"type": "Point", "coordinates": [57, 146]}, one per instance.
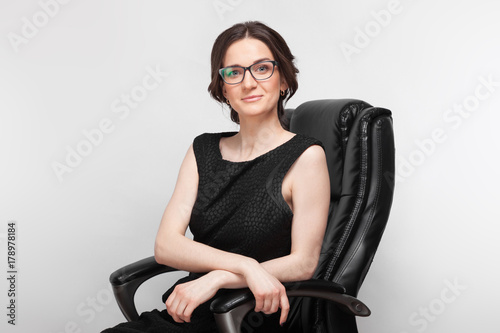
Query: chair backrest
{"type": "Point", "coordinates": [359, 145]}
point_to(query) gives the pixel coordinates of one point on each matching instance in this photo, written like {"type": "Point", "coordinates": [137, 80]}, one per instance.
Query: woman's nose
{"type": "Point", "coordinates": [248, 80]}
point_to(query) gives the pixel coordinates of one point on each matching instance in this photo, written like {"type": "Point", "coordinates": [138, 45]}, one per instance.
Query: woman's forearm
{"type": "Point", "coordinates": [292, 267]}
{"type": "Point", "coordinates": [186, 254]}
{"type": "Point", "coordinates": [285, 269]}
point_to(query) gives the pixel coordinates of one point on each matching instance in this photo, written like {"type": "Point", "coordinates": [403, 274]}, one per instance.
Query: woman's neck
{"type": "Point", "coordinates": [255, 138]}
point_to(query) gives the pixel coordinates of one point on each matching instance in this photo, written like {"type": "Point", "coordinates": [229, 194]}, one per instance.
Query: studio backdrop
{"type": "Point", "coordinates": [100, 100]}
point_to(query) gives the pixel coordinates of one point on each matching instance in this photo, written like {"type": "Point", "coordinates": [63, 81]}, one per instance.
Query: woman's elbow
{"type": "Point", "coordinates": [160, 253]}
{"type": "Point", "coordinates": [307, 274]}
{"type": "Point", "coordinates": [166, 248]}
{"type": "Point", "coordinates": [157, 254]}
{"type": "Point", "coordinates": [309, 268]}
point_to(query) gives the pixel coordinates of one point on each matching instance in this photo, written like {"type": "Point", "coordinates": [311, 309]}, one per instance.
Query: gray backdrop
{"type": "Point", "coordinates": [99, 101]}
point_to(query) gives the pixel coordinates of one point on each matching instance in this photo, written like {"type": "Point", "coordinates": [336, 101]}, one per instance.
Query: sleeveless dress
{"type": "Point", "coordinates": [239, 208]}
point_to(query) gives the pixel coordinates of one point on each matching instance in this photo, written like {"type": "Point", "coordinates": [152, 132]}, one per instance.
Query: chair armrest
{"type": "Point", "coordinates": [127, 279]}
{"type": "Point", "coordinates": [229, 310]}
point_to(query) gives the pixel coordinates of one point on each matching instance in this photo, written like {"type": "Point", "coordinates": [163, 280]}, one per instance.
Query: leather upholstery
{"type": "Point", "coordinates": [359, 145]}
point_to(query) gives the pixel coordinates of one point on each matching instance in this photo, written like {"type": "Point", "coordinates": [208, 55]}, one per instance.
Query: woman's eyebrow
{"type": "Point", "coordinates": [256, 61]}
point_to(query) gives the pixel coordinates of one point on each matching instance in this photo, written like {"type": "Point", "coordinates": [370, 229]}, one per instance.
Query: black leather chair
{"type": "Point", "coordinates": [359, 144]}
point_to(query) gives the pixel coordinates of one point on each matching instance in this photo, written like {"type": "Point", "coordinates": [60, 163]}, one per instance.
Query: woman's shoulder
{"type": "Point", "coordinates": [207, 144]}
{"type": "Point", "coordinates": [311, 150]}
{"type": "Point", "coordinates": [204, 139]}
{"type": "Point", "coordinates": [210, 139]}
{"type": "Point", "coordinates": [311, 163]}
{"type": "Point", "coordinates": [308, 141]}
{"type": "Point", "coordinates": [212, 136]}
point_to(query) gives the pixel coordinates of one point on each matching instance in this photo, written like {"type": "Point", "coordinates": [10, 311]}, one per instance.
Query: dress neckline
{"type": "Point", "coordinates": [228, 134]}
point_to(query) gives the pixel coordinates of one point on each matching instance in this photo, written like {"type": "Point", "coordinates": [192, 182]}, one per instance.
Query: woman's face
{"type": "Point", "coordinates": [251, 97]}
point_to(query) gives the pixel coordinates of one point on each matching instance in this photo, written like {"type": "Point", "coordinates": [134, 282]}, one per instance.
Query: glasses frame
{"type": "Point", "coordinates": [221, 71]}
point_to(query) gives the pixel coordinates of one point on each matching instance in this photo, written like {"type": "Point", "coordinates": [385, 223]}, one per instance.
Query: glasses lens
{"type": "Point", "coordinates": [262, 70]}
{"type": "Point", "coordinates": [232, 74]}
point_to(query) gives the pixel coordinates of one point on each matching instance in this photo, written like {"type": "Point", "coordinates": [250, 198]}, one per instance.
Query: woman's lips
{"type": "Point", "coordinates": [252, 98]}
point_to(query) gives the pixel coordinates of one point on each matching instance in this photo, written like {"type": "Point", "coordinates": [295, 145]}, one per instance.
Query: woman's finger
{"type": "Point", "coordinates": [259, 303]}
{"type": "Point", "coordinates": [180, 316]}
{"type": "Point", "coordinates": [275, 303]}
{"type": "Point", "coordinates": [174, 307]}
{"type": "Point", "coordinates": [285, 308]}
{"type": "Point", "coordinates": [268, 302]}
{"type": "Point", "coordinates": [171, 304]}
{"type": "Point", "coordinates": [188, 311]}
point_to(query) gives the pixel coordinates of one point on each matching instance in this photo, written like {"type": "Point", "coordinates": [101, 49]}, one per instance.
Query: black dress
{"type": "Point", "coordinates": [239, 208]}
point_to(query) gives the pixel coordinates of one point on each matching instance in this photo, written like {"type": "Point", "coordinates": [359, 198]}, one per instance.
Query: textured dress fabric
{"type": "Point", "coordinates": [240, 209]}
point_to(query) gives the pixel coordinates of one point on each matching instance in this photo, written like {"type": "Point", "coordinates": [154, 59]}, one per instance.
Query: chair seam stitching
{"type": "Point", "coordinates": [372, 210]}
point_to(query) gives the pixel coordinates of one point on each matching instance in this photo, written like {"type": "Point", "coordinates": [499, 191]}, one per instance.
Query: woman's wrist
{"type": "Point", "coordinates": [226, 279]}
{"type": "Point", "coordinates": [248, 266]}
{"type": "Point", "coordinates": [220, 278]}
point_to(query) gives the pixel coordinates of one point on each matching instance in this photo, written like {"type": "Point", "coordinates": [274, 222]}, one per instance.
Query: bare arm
{"type": "Point", "coordinates": [310, 191]}
{"type": "Point", "coordinates": [173, 248]}
{"type": "Point", "coordinates": [310, 194]}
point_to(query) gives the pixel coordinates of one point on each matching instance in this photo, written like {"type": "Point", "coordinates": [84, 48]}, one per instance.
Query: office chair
{"type": "Point", "coordinates": [359, 146]}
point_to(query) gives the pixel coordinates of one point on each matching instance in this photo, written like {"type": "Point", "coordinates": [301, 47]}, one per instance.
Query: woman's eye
{"type": "Point", "coordinates": [233, 72]}
{"type": "Point", "coordinates": [262, 68]}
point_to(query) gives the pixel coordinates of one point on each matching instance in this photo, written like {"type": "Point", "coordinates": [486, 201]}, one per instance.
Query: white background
{"type": "Point", "coordinates": [436, 268]}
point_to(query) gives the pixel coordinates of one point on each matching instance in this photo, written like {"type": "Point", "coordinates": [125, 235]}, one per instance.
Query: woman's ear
{"type": "Point", "coordinates": [283, 85]}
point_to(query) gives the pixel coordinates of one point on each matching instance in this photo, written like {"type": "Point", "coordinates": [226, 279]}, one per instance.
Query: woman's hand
{"type": "Point", "coordinates": [188, 296]}
{"type": "Point", "coordinates": [268, 291]}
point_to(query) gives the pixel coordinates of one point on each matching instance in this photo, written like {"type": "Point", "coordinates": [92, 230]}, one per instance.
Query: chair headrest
{"type": "Point", "coordinates": [330, 122]}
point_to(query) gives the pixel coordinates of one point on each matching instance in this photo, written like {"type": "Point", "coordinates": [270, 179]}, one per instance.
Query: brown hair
{"type": "Point", "coordinates": [275, 43]}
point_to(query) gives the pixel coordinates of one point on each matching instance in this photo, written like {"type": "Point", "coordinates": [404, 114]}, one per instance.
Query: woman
{"type": "Point", "coordinates": [256, 201]}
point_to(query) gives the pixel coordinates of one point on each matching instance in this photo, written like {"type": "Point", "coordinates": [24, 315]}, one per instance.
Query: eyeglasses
{"type": "Point", "coordinates": [262, 70]}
